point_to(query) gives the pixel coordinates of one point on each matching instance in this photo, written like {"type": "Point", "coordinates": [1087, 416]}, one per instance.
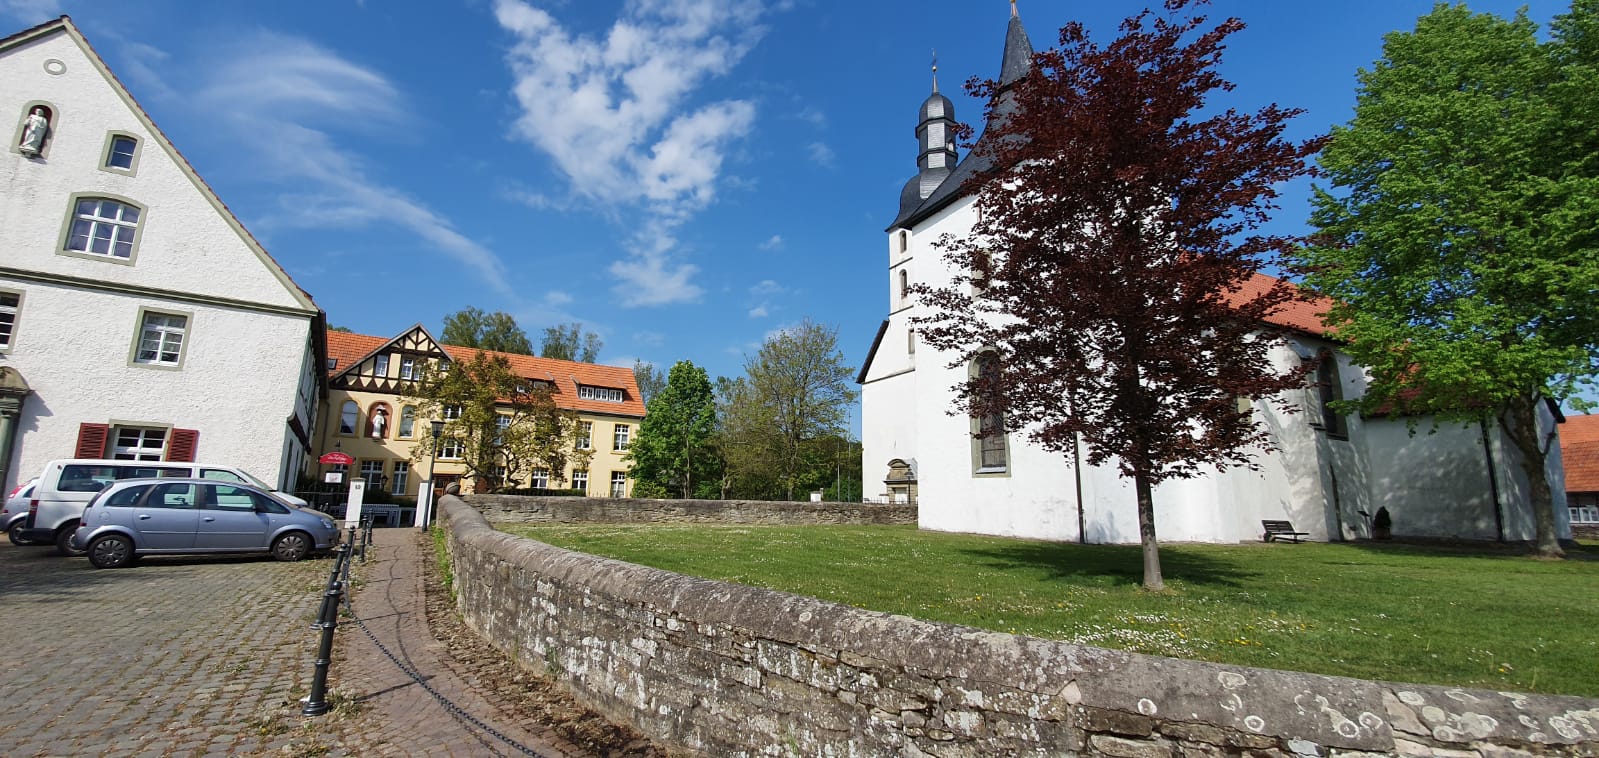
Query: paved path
{"type": "Point", "coordinates": [185, 656]}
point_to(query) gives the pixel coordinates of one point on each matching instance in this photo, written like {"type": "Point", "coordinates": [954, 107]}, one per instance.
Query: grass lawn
{"type": "Point", "coordinates": [1471, 617]}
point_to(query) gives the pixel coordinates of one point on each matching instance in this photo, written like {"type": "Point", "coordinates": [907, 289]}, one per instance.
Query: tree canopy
{"type": "Point", "coordinates": [673, 445]}
{"type": "Point", "coordinates": [502, 425]}
{"type": "Point", "coordinates": [650, 380]}
{"type": "Point", "coordinates": [1101, 288]}
{"type": "Point", "coordinates": [1460, 230]}
{"type": "Point", "coordinates": [569, 342]}
{"type": "Point", "coordinates": [498, 331]}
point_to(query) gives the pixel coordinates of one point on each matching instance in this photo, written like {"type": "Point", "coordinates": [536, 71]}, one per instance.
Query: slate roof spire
{"type": "Point", "coordinates": [936, 154]}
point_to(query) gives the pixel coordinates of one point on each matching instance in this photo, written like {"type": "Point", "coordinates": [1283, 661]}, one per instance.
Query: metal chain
{"type": "Point", "coordinates": [454, 710]}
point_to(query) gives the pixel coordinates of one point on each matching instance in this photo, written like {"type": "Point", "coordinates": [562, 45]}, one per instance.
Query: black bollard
{"type": "Point", "coordinates": [316, 703]}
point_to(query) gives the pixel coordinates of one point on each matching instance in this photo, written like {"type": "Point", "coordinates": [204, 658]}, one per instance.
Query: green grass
{"type": "Point", "coordinates": [1472, 617]}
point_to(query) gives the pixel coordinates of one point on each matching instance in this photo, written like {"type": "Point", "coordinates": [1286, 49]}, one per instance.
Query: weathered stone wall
{"type": "Point", "coordinates": [713, 668]}
{"type": "Point", "coordinates": [526, 509]}
{"type": "Point", "coordinates": [1585, 532]}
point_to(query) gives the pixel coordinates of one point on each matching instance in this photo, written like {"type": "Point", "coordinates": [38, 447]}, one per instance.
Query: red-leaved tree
{"type": "Point", "coordinates": [1107, 270]}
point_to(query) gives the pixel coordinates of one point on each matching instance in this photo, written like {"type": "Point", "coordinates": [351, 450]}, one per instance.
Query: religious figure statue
{"type": "Point", "coordinates": [33, 133]}
{"type": "Point", "coordinates": [379, 420]}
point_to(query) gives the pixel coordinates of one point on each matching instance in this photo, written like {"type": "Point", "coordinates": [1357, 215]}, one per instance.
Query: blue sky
{"type": "Point", "coordinates": [684, 177]}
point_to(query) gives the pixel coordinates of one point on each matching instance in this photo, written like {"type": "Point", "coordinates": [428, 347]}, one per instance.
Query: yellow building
{"type": "Point", "coordinates": [371, 414]}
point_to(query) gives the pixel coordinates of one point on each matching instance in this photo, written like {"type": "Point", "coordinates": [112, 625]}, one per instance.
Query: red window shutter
{"type": "Point", "coordinates": [92, 439]}
{"type": "Point", "coordinates": [183, 444]}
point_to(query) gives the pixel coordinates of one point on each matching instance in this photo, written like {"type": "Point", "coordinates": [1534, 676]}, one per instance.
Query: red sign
{"type": "Point", "coordinates": [336, 457]}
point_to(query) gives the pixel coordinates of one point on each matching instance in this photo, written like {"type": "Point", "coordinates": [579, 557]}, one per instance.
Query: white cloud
{"type": "Point", "coordinates": [823, 155]}
{"type": "Point", "coordinates": [31, 12]}
{"type": "Point", "coordinates": [297, 92]}
{"type": "Point", "coordinates": [616, 115]}
{"type": "Point", "coordinates": [766, 287]}
{"type": "Point", "coordinates": [773, 243]}
{"type": "Point", "coordinates": [759, 311]}
{"type": "Point", "coordinates": [557, 299]}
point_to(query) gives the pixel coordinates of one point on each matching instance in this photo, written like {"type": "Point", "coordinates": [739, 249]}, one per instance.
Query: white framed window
{"type": "Point", "coordinates": [10, 306]}
{"type": "Point", "coordinates": [161, 337]}
{"type": "Point", "coordinates": [349, 417]}
{"type": "Point", "coordinates": [134, 443]}
{"type": "Point", "coordinates": [450, 449]}
{"type": "Point", "coordinates": [452, 412]}
{"type": "Point", "coordinates": [585, 435]}
{"type": "Point", "coordinates": [408, 368]}
{"type": "Point", "coordinates": [1586, 514]}
{"type": "Point", "coordinates": [603, 394]}
{"type": "Point", "coordinates": [400, 478]}
{"type": "Point", "coordinates": [333, 363]}
{"type": "Point", "coordinates": [407, 420]}
{"type": "Point", "coordinates": [502, 422]}
{"type": "Point", "coordinates": [988, 429]}
{"type": "Point", "coordinates": [102, 226]}
{"type": "Point", "coordinates": [618, 484]}
{"type": "Point", "coordinates": [580, 481]}
{"type": "Point", "coordinates": [121, 153]}
{"type": "Point", "coordinates": [380, 365]}
{"type": "Point", "coordinates": [541, 478]}
{"type": "Point", "coordinates": [372, 472]}
{"type": "Point", "coordinates": [904, 284]}
{"type": "Point", "coordinates": [620, 441]}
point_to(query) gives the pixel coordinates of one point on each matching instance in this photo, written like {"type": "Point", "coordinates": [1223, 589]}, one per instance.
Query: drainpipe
{"type": "Point", "coordinates": [1077, 472]}
{"type": "Point", "coordinates": [14, 391]}
{"type": "Point", "coordinates": [1493, 480]}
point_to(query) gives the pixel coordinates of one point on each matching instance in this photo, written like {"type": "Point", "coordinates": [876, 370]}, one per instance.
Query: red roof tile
{"type": "Point", "coordinates": [349, 348]}
{"type": "Point", "coordinates": [1307, 316]}
{"type": "Point", "coordinates": [1579, 451]}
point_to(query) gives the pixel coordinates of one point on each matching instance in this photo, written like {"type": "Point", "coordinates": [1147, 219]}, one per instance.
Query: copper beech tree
{"type": "Point", "coordinates": [1106, 272]}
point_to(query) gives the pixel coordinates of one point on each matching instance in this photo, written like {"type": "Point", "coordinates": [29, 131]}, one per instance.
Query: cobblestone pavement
{"type": "Point", "coordinates": [203, 656]}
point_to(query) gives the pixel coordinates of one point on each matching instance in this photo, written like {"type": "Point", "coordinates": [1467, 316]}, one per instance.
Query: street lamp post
{"type": "Point", "coordinates": [438, 432]}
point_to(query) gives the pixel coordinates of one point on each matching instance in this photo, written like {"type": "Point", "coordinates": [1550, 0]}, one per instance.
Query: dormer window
{"type": "Point", "coordinates": [333, 363]}
{"type": "Point", "coordinates": [602, 394]}
{"type": "Point", "coordinates": [408, 368]}
{"type": "Point", "coordinates": [380, 365]}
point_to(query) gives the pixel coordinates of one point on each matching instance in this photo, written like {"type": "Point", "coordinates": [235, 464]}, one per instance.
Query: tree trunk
{"type": "Point", "coordinates": [1522, 429]}
{"type": "Point", "coordinates": [1146, 533]}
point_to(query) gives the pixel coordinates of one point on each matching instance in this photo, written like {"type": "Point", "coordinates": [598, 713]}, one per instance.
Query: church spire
{"type": "Point", "coordinates": [936, 154]}
{"type": "Point", "coordinates": [1018, 58]}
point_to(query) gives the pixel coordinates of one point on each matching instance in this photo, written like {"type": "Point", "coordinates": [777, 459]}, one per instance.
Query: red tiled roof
{"type": "Point", "coordinates": [349, 348]}
{"type": "Point", "coordinates": [1579, 451]}
{"type": "Point", "coordinates": [1307, 316]}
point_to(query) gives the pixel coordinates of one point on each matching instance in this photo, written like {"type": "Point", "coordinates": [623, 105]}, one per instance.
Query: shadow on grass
{"type": "Point", "coordinates": [1469, 549]}
{"type": "Point", "coordinates": [1117, 564]}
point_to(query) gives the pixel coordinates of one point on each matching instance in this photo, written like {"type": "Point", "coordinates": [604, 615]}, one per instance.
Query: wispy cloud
{"type": "Point", "coordinates": [292, 89]}
{"type": "Point", "coordinates": [759, 311]}
{"type": "Point", "coordinates": [823, 155]}
{"type": "Point", "coordinates": [31, 12]}
{"type": "Point", "coordinates": [766, 287]}
{"type": "Point", "coordinates": [616, 115]}
{"type": "Point", "coordinates": [772, 243]}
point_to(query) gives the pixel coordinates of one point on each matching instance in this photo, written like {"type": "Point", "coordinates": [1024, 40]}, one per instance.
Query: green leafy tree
{"type": "Point", "coordinates": [569, 342]}
{"type": "Point", "coordinates": [673, 445]}
{"type": "Point", "coordinates": [650, 380]}
{"type": "Point", "coordinates": [796, 389]}
{"type": "Point", "coordinates": [504, 425]}
{"type": "Point", "coordinates": [1461, 229]}
{"type": "Point", "coordinates": [498, 331]}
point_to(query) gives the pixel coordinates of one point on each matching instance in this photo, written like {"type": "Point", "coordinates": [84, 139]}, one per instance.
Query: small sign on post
{"type": "Point", "coordinates": [352, 507]}
{"type": "Point", "coordinates": [424, 504]}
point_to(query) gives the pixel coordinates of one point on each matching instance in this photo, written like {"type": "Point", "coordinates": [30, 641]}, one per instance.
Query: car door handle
{"type": "Point", "coordinates": [210, 518]}
{"type": "Point", "coordinates": [144, 517]}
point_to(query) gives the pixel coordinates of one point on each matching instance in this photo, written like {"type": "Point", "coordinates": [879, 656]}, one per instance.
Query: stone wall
{"type": "Point", "coordinates": [528, 509]}
{"type": "Point", "coordinates": [1587, 533]}
{"type": "Point", "coordinates": [718, 669]}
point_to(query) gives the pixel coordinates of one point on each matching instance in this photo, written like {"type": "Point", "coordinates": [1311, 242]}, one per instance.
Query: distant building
{"type": "Point", "coordinates": [1328, 473]}
{"type": "Point", "coordinates": [138, 318]}
{"type": "Point", "coordinates": [1579, 449]}
{"type": "Point", "coordinates": [372, 414]}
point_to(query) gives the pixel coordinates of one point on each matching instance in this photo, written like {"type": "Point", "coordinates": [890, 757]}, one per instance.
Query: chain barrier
{"type": "Point", "coordinates": [457, 712]}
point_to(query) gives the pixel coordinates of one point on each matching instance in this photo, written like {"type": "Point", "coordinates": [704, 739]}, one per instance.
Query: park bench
{"type": "Point", "coordinates": [1280, 530]}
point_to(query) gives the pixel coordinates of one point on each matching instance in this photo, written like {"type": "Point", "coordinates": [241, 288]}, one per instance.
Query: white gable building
{"type": "Point", "coordinates": [138, 318]}
{"type": "Point", "coordinates": [1327, 475]}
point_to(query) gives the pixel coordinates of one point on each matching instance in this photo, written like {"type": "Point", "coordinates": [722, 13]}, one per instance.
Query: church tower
{"type": "Point", "coordinates": [936, 157]}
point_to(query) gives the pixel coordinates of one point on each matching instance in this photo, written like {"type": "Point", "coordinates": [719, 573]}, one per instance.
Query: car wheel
{"type": "Point", "coordinates": [15, 534]}
{"type": "Point", "coordinates": [291, 547]}
{"type": "Point", "coordinates": [111, 551]}
{"type": "Point", "coordinates": [64, 540]}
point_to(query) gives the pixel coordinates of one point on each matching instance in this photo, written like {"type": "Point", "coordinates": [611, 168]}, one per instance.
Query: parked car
{"type": "Point", "coordinates": [167, 516]}
{"type": "Point", "coordinates": [65, 485]}
{"type": "Point", "coordinates": [14, 516]}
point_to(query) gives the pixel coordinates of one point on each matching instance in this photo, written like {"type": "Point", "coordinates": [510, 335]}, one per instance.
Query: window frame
{"type": "Point", "coordinates": [980, 425]}
{"type": "Point", "coordinates": [451, 443]}
{"type": "Point", "coordinates": [111, 137]}
{"type": "Point", "coordinates": [15, 312]}
{"type": "Point", "coordinates": [601, 394]}
{"type": "Point", "coordinates": [400, 478]}
{"type": "Point", "coordinates": [406, 428]}
{"type": "Point", "coordinates": [183, 344]}
{"type": "Point", "coordinates": [355, 423]}
{"type": "Point", "coordinates": [585, 436]}
{"type": "Point", "coordinates": [618, 484]}
{"type": "Point", "coordinates": [380, 365]}
{"type": "Point", "coordinates": [71, 218]}
{"type": "Point", "coordinates": [374, 476]}
{"type": "Point", "coordinates": [621, 437]}
{"type": "Point", "coordinates": [114, 448]}
{"type": "Point", "coordinates": [408, 368]}
{"type": "Point", "coordinates": [1330, 389]}
{"type": "Point", "coordinates": [580, 480]}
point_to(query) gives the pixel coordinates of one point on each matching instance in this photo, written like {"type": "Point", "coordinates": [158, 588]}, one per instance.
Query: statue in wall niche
{"type": "Point", "coordinates": [34, 131]}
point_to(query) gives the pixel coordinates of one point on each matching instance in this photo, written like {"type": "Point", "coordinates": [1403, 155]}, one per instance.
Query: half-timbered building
{"type": "Point", "coordinates": [372, 414]}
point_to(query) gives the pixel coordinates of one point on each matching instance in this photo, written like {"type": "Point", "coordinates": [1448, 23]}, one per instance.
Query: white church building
{"type": "Point", "coordinates": [1327, 474]}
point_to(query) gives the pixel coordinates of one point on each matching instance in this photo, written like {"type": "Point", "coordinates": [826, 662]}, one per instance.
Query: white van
{"type": "Point", "coordinates": [66, 485]}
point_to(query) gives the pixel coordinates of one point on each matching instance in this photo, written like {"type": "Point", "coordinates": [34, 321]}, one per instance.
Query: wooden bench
{"type": "Point", "coordinates": [1280, 530]}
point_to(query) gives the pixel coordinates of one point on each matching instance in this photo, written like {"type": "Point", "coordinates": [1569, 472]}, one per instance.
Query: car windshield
{"type": "Point", "coordinates": [250, 478]}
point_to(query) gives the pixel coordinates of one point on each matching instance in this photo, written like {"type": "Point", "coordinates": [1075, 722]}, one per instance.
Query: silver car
{"type": "Point", "coordinates": [135, 517]}
{"type": "Point", "coordinates": [14, 515]}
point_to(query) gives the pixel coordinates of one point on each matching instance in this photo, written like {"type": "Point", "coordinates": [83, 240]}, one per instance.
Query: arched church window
{"type": "Point", "coordinates": [408, 421]}
{"type": "Point", "coordinates": [910, 341]}
{"type": "Point", "coordinates": [904, 241]}
{"type": "Point", "coordinates": [904, 284]}
{"type": "Point", "coordinates": [989, 449]}
{"type": "Point", "coordinates": [1330, 390]}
